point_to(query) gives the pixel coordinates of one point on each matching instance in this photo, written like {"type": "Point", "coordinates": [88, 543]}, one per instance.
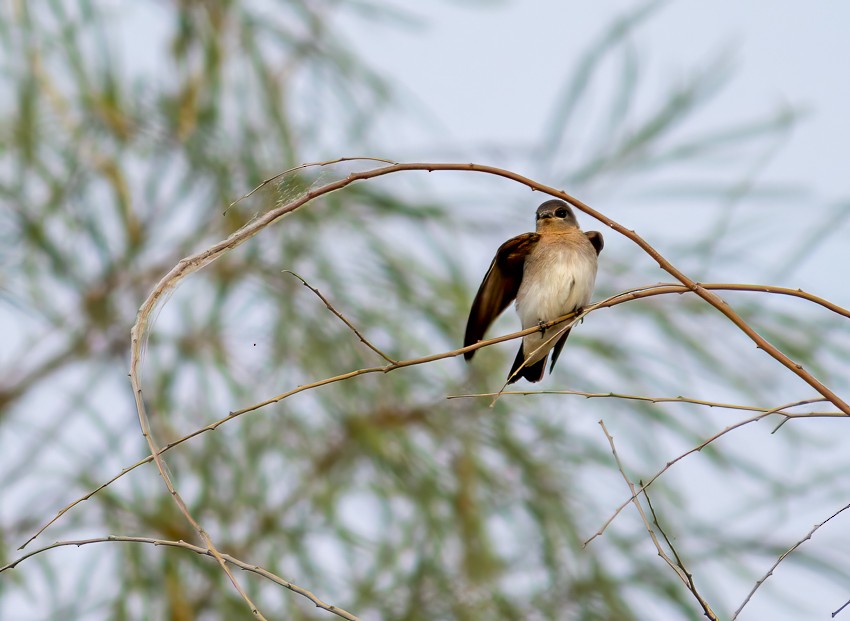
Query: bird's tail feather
{"type": "Point", "coordinates": [531, 372]}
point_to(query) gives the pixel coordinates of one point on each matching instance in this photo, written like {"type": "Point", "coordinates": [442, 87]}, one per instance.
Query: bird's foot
{"type": "Point", "coordinates": [541, 325]}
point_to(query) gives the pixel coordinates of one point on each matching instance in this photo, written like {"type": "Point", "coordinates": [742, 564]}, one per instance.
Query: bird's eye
{"type": "Point", "coordinates": [561, 213]}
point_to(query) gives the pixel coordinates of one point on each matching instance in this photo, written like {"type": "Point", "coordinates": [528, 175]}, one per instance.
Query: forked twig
{"type": "Point", "coordinates": [684, 576]}
{"type": "Point", "coordinates": [696, 449]}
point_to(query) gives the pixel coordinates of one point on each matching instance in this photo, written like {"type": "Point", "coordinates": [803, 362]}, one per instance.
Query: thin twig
{"type": "Point", "coordinates": [181, 504]}
{"type": "Point", "coordinates": [692, 587]}
{"type": "Point", "coordinates": [658, 400]}
{"type": "Point", "coordinates": [696, 449]}
{"type": "Point", "coordinates": [683, 575]}
{"type": "Point", "coordinates": [198, 550]}
{"type": "Point", "coordinates": [330, 307]}
{"type": "Point", "coordinates": [781, 558]}
{"type": "Point", "coordinates": [138, 337]}
{"type": "Point", "coordinates": [301, 167]}
{"type": "Point", "coordinates": [664, 288]}
{"type": "Point", "coordinates": [70, 506]}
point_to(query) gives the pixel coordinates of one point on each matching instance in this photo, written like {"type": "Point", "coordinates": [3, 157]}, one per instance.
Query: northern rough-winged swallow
{"type": "Point", "coordinates": [550, 273]}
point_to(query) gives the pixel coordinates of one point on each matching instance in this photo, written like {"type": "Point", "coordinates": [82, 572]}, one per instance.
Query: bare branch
{"type": "Point", "coordinates": [197, 550]}
{"type": "Point", "coordinates": [781, 558]}
{"type": "Point", "coordinates": [658, 400]}
{"type": "Point", "coordinates": [362, 338]}
{"type": "Point", "coordinates": [696, 449]}
{"type": "Point", "coordinates": [664, 288]}
{"type": "Point", "coordinates": [680, 571]}
{"type": "Point", "coordinates": [692, 587]}
{"type": "Point", "coordinates": [70, 506]}
{"type": "Point", "coordinates": [289, 171]}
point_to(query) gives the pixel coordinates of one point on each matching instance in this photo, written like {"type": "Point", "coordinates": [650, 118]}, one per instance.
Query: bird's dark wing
{"type": "Point", "coordinates": [595, 238]}
{"type": "Point", "coordinates": [499, 287]}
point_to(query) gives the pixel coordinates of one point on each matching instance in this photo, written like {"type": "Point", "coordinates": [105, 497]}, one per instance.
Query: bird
{"type": "Point", "coordinates": [550, 273]}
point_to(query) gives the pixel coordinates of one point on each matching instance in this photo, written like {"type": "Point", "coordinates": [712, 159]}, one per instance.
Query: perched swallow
{"type": "Point", "coordinates": [550, 273]}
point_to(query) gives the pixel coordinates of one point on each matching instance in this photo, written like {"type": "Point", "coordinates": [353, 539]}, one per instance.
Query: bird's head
{"type": "Point", "coordinates": [555, 213]}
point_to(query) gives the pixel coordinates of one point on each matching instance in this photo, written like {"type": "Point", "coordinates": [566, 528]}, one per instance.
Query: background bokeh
{"type": "Point", "coordinates": [127, 129]}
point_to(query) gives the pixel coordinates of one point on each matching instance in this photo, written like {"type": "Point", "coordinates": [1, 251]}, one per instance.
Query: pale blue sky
{"type": "Point", "coordinates": [493, 74]}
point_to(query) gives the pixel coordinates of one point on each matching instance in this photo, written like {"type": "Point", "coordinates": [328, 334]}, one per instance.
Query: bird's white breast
{"type": "Point", "coordinates": [557, 282]}
{"type": "Point", "coordinates": [557, 279]}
